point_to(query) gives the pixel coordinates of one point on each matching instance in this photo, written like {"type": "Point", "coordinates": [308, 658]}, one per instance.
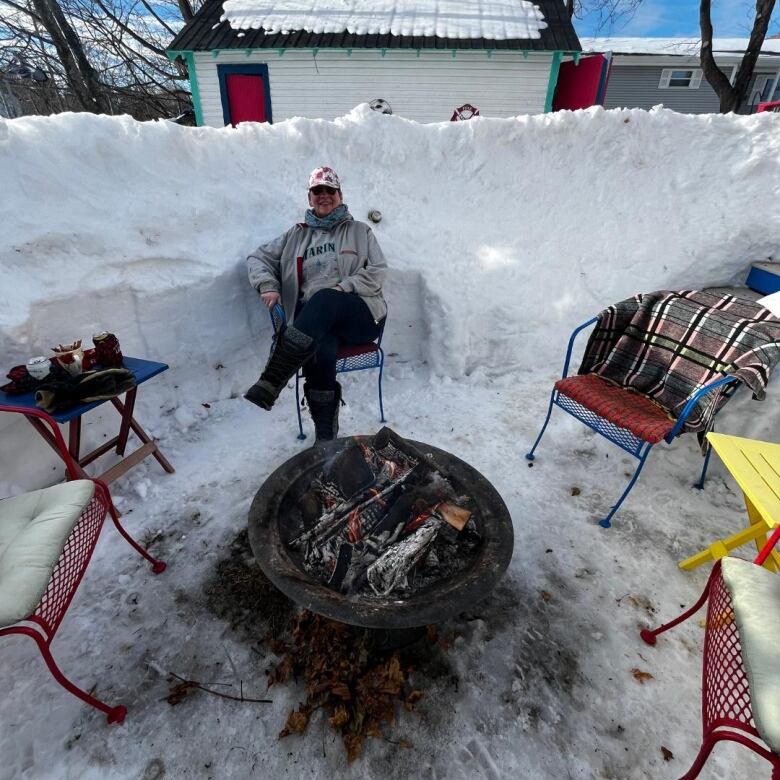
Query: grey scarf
{"type": "Point", "coordinates": [336, 217]}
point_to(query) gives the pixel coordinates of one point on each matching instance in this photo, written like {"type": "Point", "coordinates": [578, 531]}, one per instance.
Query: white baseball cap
{"type": "Point", "coordinates": [325, 176]}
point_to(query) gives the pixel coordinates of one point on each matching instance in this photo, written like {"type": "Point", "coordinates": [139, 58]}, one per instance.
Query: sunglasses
{"type": "Point", "coordinates": [322, 190]}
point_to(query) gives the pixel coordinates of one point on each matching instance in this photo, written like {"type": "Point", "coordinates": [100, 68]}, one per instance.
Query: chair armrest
{"type": "Point", "coordinates": [571, 344]}
{"type": "Point", "coordinates": [768, 547]}
{"type": "Point", "coordinates": [693, 400]}
{"type": "Point", "coordinates": [55, 430]}
{"type": "Point", "coordinates": [278, 317]}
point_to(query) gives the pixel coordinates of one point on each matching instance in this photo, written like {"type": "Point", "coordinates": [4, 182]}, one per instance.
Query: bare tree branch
{"type": "Point", "coordinates": [732, 98]}
{"type": "Point", "coordinates": [21, 9]}
{"type": "Point", "coordinates": [159, 18]}
{"type": "Point", "coordinates": [129, 30]}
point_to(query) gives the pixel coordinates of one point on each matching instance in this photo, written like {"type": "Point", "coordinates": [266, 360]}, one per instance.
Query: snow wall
{"type": "Point", "coordinates": [502, 234]}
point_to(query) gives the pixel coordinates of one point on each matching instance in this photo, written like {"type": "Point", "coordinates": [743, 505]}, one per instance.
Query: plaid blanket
{"type": "Point", "coordinates": [667, 345]}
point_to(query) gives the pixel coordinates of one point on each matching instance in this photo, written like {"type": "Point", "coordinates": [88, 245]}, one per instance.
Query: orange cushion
{"type": "Point", "coordinates": [618, 405]}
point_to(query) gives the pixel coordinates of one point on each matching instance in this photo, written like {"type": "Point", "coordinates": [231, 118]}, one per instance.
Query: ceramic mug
{"type": "Point", "coordinates": [39, 367]}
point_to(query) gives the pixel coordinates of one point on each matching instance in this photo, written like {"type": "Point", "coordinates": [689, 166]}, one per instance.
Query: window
{"type": "Point", "coordinates": [680, 79]}
{"type": "Point", "coordinates": [766, 92]}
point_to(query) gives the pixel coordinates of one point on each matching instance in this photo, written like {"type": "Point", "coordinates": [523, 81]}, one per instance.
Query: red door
{"type": "Point", "coordinates": [582, 84]}
{"type": "Point", "coordinates": [246, 97]}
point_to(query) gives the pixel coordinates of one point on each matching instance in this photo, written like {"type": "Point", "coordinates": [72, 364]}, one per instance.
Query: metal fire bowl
{"type": "Point", "coordinates": [268, 536]}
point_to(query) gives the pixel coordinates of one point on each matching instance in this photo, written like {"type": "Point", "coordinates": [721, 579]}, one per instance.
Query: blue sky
{"type": "Point", "coordinates": [673, 18]}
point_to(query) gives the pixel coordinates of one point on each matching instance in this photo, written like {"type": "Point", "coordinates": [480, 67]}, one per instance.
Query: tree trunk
{"type": "Point", "coordinates": [81, 76]}
{"type": "Point", "coordinates": [732, 98]}
{"type": "Point", "coordinates": [186, 9]}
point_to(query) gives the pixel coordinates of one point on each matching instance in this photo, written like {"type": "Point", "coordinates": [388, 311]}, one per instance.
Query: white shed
{"type": "Point", "coordinates": [427, 60]}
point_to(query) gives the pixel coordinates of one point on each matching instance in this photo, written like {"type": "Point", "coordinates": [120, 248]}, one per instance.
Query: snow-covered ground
{"type": "Point", "coordinates": [502, 236]}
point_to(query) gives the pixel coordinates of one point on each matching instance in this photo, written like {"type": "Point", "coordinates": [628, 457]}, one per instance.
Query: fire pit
{"type": "Point", "coordinates": [281, 533]}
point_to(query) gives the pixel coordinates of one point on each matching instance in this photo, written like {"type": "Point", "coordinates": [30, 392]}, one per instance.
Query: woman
{"type": "Point", "coordinates": [327, 272]}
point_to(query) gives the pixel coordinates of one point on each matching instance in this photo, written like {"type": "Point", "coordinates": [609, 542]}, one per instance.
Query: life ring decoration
{"type": "Point", "coordinates": [466, 111]}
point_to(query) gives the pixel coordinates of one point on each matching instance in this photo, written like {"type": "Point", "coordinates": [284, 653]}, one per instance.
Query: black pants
{"type": "Point", "coordinates": [332, 318]}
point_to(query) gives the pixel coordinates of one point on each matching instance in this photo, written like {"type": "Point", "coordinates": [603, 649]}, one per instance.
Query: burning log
{"type": "Point", "coordinates": [375, 512]}
{"type": "Point", "coordinates": [336, 519]}
{"type": "Point", "coordinates": [390, 571]}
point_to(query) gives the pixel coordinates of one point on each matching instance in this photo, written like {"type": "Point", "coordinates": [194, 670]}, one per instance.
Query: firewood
{"type": "Point", "coordinates": [455, 515]}
{"type": "Point", "coordinates": [385, 436]}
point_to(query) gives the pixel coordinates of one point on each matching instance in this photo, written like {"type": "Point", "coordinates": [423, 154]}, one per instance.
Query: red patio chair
{"type": "Point", "coordinates": [53, 530]}
{"type": "Point", "coordinates": [733, 676]}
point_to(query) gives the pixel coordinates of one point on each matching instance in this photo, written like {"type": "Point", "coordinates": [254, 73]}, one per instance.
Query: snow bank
{"type": "Point", "coordinates": [502, 234]}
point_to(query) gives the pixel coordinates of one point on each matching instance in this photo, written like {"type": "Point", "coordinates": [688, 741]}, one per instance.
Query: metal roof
{"type": "Point", "coordinates": [205, 32]}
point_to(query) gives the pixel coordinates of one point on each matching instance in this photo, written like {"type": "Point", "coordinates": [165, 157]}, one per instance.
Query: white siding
{"type": "Point", "coordinates": [426, 88]}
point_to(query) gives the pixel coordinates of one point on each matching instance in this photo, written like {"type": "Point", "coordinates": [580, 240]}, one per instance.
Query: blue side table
{"type": "Point", "coordinates": [142, 371]}
{"type": "Point", "coordinates": [764, 278]}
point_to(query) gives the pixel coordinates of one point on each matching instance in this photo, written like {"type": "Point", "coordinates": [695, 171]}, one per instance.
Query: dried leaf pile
{"type": "Point", "coordinates": [356, 684]}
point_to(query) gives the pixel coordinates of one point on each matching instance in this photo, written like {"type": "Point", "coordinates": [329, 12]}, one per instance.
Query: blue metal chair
{"type": "Point", "coordinates": [351, 357]}
{"type": "Point", "coordinates": [625, 439]}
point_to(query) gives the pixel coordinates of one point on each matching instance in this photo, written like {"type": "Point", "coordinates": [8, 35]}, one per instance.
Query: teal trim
{"type": "Point", "coordinates": [281, 52]}
{"type": "Point", "coordinates": [171, 54]}
{"type": "Point", "coordinates": [454, 53]}
{"type": "Point", "coordinates": [555, 68]}
{"type": "Point", "coordinates": [189, 58]}
{"type": "Point", "coordinates": [576, 57]}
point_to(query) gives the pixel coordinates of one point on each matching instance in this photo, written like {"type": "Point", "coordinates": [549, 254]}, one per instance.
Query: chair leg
{"type": "Point", "coordinates": [381, 406]}
{"type": "Point", "coordinates": [649, 636]}
{"type": "Point", "coordinates": [157, 566]}
{"type": "Point", "coordinates": [605, 522]}
{"type": "Point", "coordinates": [530, 455]}
{"type": "Point", "coordinates": [113, 714]}
{"type": "Point", "coordinates": [700, 484]}
{"type": "Point", "coordinates": [301, 434]}
{"type": "Point", "coordinates": [701, 758]}
{"type": "Point", "coordinates": [712, 737]}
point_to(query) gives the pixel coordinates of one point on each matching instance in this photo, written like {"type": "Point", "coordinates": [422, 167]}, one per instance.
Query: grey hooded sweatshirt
{"type": "Point", "coordinates": [359, 264]}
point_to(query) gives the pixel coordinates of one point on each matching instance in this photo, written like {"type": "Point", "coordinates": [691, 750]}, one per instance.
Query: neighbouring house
{"type": "Point", "coordinates": [646, 72]}
{"type": "Point", "coordinates": [427, 60]}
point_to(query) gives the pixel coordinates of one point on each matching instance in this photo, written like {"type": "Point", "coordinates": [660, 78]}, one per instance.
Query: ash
{"type": "Point", "coordinates": [384, 519]}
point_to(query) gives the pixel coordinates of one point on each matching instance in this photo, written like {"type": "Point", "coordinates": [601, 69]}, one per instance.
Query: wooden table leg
{"type": "Point", "coordinates": [126, 410]}
{"type": "Point", "coordinates": [720, 548]}
{"type": "Point", "coordinates": [144, 437]}
{"type": "Point", "coordinates": [51, 441]}
{"type": "Point", "coordinates": [74, 438]}
{"type": "Point", "coordinates": [773, 561]}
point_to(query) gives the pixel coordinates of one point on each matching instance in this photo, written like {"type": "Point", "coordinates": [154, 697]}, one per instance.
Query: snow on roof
{"type": "Point", "coordinates": [681, 46]}
{"type": "Point", "coordinates": [490, 19]}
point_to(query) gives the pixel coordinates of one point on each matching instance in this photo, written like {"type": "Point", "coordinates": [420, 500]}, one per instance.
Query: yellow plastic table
{"type": "Point", "coordinates": [755, 465]}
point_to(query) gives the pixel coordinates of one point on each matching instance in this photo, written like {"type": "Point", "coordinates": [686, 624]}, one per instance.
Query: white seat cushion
{"type": "Point", "coordinates": [755, 594]}
{"type": "Point", "coordinates": [33, 530]}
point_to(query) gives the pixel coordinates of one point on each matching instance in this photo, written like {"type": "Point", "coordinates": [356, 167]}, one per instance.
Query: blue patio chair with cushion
{"type": "Point", "coordinates": [663, 363]}
{"type": "Point", "coordinates": [351, 357]}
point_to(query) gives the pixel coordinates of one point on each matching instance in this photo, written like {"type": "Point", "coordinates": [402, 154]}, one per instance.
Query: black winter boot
{"type": "Point", "coordinates": [324, 408]}
{"type": "Point", "coordinates": [290, 351]}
